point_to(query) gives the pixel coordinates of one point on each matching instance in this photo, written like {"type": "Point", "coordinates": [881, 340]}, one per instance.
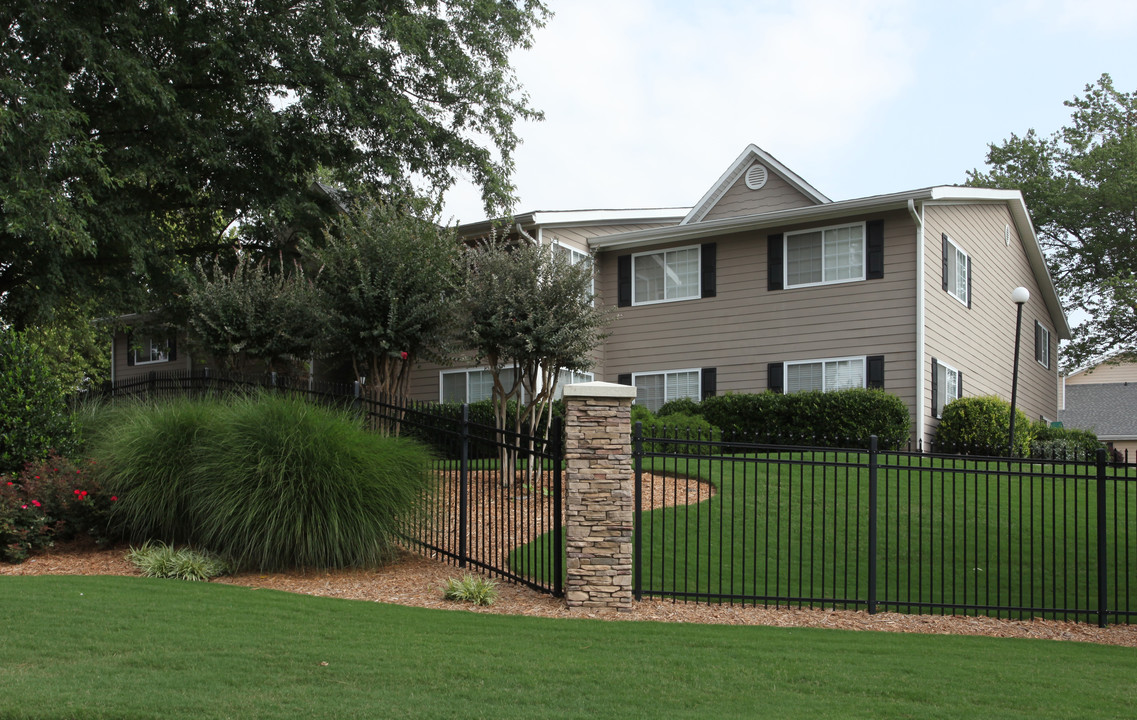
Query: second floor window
{"type": "Point", "coordinates": [665, 275]}
{"type": "Point", "coordinates": [828, 255]}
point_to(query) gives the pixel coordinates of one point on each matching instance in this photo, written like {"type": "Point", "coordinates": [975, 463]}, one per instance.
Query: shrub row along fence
{"type": "Point", "coordinates": [496, 490]}
{"type": "Point", "coordinates": [883, 530]}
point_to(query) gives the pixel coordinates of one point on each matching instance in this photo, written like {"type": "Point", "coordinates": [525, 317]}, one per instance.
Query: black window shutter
{"type": "Point", "coordinates": [969, 281]}
{"type": "Point", "coordinates": [1038, 341]}
{"type": "Point", "coordinates": [624, 281]}
{"type": "Point", "coordinates": [875, 371]}
{"type": "Point", "coordinates": [874, 248]}
{"type": "Point", "coordinates": [935, 388]}
{"type": "Point", "coordinates": [624, 379]}
{"type": "Point", "coordinates": [710, 382]}
{"type": "Point", "coordinates": [947, 247]}
{"type": "Point", "coordinates": [129, 348]}
{"type": "Point", "coordinates": [959, 384]}
{"type": "Point", "coordinates": [775, 271]}
{"type": "Point", "coordinates": [775, 372]}
{"type": "Point", "coordinates": [173, 348]}
{"type": "Point", "coordinates": [709, 272]}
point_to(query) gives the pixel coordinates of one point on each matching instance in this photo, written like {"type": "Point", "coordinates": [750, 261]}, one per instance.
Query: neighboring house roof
{"type": "Point", "coordinates": [1109, 409]}
{"type": "Point", "coordinates": [749, 156]}
{"type": "Point", "coordinates": [565, 218]}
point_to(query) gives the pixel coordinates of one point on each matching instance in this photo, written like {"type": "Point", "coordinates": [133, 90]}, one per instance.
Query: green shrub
{"type": "Point", "coordinates": [478, 591]}
{"type": "Point", "coordinates": [981, 426]}
{"type": "Point", "coordinates": [34, 418]}
{"type": "Point", "coordinates": [159, 560]}
{"type": "Point", "coordinates": [680, 427]}
{"type": "Point", "coordinates": [834, 419]}
{"type": "Point", "coordinates": [1060, 442]}
{"type": "Point", "coordinates": [682, 406]}
{"type": "Point", "coordinates": [640, 413]}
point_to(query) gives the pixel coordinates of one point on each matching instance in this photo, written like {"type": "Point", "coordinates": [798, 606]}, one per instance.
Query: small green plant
{"type": "Point", "coordinates": [476, 590]}
{"type": "Point", "coordinates": [159, 560]}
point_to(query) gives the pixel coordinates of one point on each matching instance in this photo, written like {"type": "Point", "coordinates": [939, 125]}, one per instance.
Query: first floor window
{"type": "Point", "coordinates": [145, 349]}
{"type": "Point", "coordinates": [829, 255]}
{"type": "Point", "coordinates": [825, 375]}
{"type": "Point", "coordinates": [666, 275]}
{"type": "Point", "coordinates": [655, 389]}
{"type": "Point", "coordinates": [947, 385]}
{"type": "Point", "coordinates": [468, 386]}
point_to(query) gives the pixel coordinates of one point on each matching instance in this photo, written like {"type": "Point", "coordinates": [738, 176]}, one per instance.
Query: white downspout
{"type": "Point", "coordinates": [918, 218]}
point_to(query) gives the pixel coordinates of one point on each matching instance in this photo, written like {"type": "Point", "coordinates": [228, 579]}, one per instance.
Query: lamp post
{"type": "Point", "coordinates": [1019, 296]}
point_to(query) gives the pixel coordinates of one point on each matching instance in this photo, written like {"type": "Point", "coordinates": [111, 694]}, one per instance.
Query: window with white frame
{"type": "Point", "coordinates": [576, 256]}
{"type": "Point", "coordinates": [665, 275]}
{"type": "Point", "coordinates": [825, 375]}
{"type": "Point", "coordinates": [470, 385]}
{"type": "Point", "coordinates": [947, 387]}
{"type": "Point", "coordinates": [956, 270]}
{"type": "Point", "coordinates": [569, 377]}
{"type": "Point", "coordinates": [1041, 344]}
{"type": "Point", "coordinates": [146, 349]}
{"type": "Point", "coordinates": [655, 389]}
{"type": "Point", "coordinates": [827, 255]}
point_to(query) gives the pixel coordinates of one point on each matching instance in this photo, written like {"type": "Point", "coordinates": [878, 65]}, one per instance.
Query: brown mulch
{"type": "Point", "coordinates": [417, 581]}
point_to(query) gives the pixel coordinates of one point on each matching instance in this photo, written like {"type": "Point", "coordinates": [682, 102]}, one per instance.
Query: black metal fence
{"type": "Point", "coordinates": [884, 530]}
{"type": "Point", "coordinates": [496, 504]}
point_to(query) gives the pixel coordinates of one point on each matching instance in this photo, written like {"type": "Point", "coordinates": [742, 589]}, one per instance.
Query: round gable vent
{"type": "Point", "coordinates": [756, 176]}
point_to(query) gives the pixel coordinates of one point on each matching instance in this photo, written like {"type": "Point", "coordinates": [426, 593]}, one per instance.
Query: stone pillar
{"type": "Point", "coordinates": [600, 497]}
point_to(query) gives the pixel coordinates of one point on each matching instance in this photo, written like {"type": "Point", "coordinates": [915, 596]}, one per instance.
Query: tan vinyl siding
{"type": "Point", "coordinates": [776, 194]}
{"type": "Point", "coordinates": [126, 373]}
{"type": "Point", "coordinates": [1105, 373]}
{"type": "Point", "coordinates": [746, 326]}
{"type": "Point", "coordinates": [979, 341]}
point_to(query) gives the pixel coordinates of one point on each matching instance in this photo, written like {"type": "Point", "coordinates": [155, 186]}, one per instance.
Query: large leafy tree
{"type": "Point", "coordinates": [133, 133]}
{"type": "Point", "coordinates": [1081, 187]}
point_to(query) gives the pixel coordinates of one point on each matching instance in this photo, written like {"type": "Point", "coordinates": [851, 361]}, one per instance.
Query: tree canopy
{"type": "Point", "coordinates": [1081, 187]}
{"type": "Point", "coordinates": [133, 133]}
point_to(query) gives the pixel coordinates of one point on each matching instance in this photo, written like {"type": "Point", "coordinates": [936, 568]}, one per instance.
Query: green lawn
{"type": "Point", "coordinates": [114, 647]}
{"type": "Point", "coordinates": [780, 528]}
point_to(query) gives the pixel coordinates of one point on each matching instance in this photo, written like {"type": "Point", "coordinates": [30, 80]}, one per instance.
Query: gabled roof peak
{"type": "Point", "coordinates": [749, 156]}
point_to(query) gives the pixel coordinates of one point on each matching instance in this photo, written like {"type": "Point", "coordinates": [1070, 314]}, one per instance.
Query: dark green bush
{"type": "Point", "coordinates": [981, 426]}
{"type": "Point", "coordinates": [265, 481]}
{"type": "Point", "coordinates": [34, 418]}
{"type": "Point", "coordinates": [641, 414]}
{"type": "Point", "coordinates": [683, 406]}
{"type": "Point", "coordinates": [834, 419]}
{"type": "Point", "coordinates": [681, 427]}
{"type": "Point", "coordinates": [1060, 442]}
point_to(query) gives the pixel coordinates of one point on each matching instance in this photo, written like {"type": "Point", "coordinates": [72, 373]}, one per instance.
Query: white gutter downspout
{"type": "Point", "coordinates": [918, 218]}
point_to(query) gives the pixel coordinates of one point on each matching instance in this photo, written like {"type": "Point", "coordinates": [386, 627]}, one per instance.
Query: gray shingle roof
{"type": "Point", "coordinates": [1109, 409]}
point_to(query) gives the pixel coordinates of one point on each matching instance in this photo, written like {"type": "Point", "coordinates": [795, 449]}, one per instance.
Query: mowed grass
{"type": "Point", "coordinates": [113, 647]}
{"type": "Point", "coordinates": [950, 533]}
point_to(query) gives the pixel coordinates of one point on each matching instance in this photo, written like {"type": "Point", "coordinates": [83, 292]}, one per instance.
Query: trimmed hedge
{"type": "Point", "coordinates": [1059, 442]}
{"type": "Point", "coordinates": [981, 426]}
{"type": "Point", "coordinates": [833, 419]}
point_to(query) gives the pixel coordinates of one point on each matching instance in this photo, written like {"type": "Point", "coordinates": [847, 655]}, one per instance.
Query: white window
{"type": "Point", "coordinates": [577, 256]}
{"type": "Point", "coordinates": [148, 349]}
{"type": "Point", "coordinates": [665, 276]}
{"type": "Point", "coordinates": [947, 387]}
{"type": "Point", "coordinates": [828, 255]}
{"type": "Point", "coordinates": [655, 389]}
{"type": "Point", "coordinates": [957, 268]}
{"type": "Point", "coordinates": [569, 377]}
{"type": "Point", "coordinates": [1041, 344]}
{"type": "Point", "coordinates": [825, 375]}
{"type": "Point", "coordinates": [468, 386]}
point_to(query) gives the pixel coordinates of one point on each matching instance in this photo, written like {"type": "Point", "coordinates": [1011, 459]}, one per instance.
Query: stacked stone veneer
{"type": "Point", "coordinates": [599, 495]}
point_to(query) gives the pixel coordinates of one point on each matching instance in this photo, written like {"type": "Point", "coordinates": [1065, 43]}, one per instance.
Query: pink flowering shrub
{"type": "Point", "coordinates": [51, 500]}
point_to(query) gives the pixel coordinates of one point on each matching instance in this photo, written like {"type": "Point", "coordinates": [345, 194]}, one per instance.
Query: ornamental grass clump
{"type": "Point", "coordinates": [287, 483]}
{"type": "Point", "coordinates": [159, 560]}
{"type": "Point", "coordinates": [471, 589]}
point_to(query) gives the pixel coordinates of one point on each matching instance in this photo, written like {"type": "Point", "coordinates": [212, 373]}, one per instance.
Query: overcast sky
{"type": "Point", "coordinates": [647, 102]}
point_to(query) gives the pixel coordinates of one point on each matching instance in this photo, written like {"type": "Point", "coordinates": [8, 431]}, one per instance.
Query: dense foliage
{"type": "Point", "coordinates": [1081, 187]}
{"type": "Point", "coordinates": [34, 418]}
{"type": "Point", "coordinates": [1060, 442]}
{"type": "Point", "coordinates": [132, 134]}
{"type": "Point", "coordinates": [267, 482]}
{"type": "Point", "coordinates": [981, 426]}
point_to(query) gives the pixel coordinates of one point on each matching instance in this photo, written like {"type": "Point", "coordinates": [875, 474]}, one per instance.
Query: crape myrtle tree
{"type": "Point", "coordinates": [387, 285]}
{"type": "Point", "coordinates": [133, 133]}
{"type": "Point", "coordinates": [1081, 187]}
{"type": "Point", "coordinates": [531, 314]}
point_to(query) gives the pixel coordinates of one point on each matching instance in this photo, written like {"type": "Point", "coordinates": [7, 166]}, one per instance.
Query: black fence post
{"type": "Point", "coordinates": [557, 451]}
{"type": "Point", "coordinates": [872, 523]}
{"type": "Point", "coordinates": [1102, 584]}
{"type": "Point", "coordinates": [637, 525]}
{"type": "Point", "coordinates": [463, 485]}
